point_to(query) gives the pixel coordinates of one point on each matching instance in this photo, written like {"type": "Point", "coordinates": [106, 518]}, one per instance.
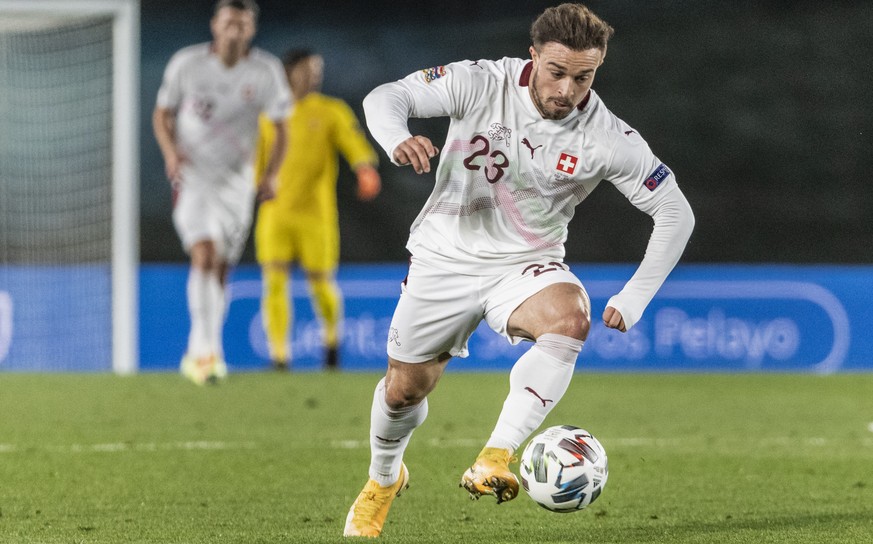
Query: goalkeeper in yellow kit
{"type": "Point", "coordinates": [300, 225]}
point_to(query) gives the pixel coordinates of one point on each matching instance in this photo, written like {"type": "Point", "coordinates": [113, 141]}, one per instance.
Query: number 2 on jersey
{"type": "Point", "coordinates": [495, 170]}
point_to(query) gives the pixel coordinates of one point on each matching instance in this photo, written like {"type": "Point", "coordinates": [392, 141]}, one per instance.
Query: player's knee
{"type": "Point", "coordinates": [205, 257]}
{"type": "Point", "coordinates": [398, 398]}
{"type": "Point", "coordinates": [572, 324]}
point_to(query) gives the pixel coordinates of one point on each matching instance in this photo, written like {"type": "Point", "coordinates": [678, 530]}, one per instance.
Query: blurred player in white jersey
{"type": "Point", "coordinates": [206, 123]}
{"type": "Point", "coordinates": [528, 141]}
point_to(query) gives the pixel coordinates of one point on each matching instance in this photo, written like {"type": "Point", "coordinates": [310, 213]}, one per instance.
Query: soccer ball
{"type": "Point", "coordinates": [564, 469]}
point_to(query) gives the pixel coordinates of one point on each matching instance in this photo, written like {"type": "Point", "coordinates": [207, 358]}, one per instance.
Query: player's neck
{"type": "Point", "coordinates": [229, 56]}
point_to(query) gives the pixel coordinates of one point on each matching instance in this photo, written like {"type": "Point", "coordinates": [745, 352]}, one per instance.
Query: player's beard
{"type": "Point", "coordinates": [542, 105]}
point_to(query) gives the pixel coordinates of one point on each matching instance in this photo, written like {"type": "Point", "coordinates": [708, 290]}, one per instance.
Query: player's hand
{"type": "Point", "coordinates": [417, 151]}
{"type": "Point", "coordinates": [173, 167]}
{"type": "Point", "coordinates": [267, 189]}
{"type": "Point", "coordinates": [612, 318]}
{"type": "Point", "coordinates": [369, 182]}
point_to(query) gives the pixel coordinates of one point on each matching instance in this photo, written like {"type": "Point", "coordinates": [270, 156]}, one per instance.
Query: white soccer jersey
{"type": "Point", "coordinates": [217, 111]}
{"type": "Point", "coordinates": [508, 181]}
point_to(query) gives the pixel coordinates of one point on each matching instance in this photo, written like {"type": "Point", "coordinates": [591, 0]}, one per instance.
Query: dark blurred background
{"type": "Point", "coordinates": [762, 109]}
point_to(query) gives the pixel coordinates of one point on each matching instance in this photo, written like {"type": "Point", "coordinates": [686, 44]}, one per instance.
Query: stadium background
{"type": "Point", "coordinates": [754, 104]}
{"type": "Point", "coordinates": [760, 108]}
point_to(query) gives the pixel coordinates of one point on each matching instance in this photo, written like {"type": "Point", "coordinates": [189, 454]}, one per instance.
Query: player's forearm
{"type": "Point", "coordinates": [277, 152]}
{"type": "Point", "coordinates": [387, 109]}
{"type": "Point", "coordinates": [163, 125]}
{"type": "Point", "coordinates": [674, 222]}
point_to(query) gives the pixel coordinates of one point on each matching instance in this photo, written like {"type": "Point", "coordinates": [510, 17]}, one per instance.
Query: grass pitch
{"type": "Point", "coordinates": [268, 458]}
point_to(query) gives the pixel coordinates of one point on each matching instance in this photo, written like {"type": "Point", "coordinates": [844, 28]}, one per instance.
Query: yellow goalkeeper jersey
{"type": "Point", "coordinates": [319, 129]}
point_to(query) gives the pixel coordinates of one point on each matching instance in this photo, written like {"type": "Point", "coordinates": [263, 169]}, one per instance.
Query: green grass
{"type": "Point", "coordinates": [279, 458]}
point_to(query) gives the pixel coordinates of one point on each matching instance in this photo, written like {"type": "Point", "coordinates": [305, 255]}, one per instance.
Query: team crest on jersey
{"type": "Point", "coordinates": [655, 178]}
{"type": "Point", "coordinates": [432, 74]}
{"type": "Point", "coordinates": [500, 133]}
{"type": "Point", "coordinates": [567, 163]}
{"type": "Point", "coordinates": [248, 92]}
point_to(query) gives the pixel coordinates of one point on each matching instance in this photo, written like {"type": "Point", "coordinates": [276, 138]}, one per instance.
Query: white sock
{"type": "Point", "coordinates": [390, 431]}
{"type": "Point", "coordinates": [217, 312]}
{"type": "Point", "coordinates": [198, 309]}
{"type": "Point", "coordinates": [537, 382]}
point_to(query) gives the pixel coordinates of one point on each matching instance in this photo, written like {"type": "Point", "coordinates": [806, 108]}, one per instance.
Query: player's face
{"type": "Point", "coordinates": [306, 76]}
{"type": "Point", "coordinates": [561, 77]}
{"type": "Point", "coordinates": [233, 28]}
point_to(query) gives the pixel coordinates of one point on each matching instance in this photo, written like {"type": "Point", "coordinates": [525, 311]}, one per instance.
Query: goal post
{"type": "Point", "coordinates": [69, 185]}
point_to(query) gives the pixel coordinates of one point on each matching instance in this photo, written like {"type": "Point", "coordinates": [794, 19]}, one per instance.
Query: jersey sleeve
{"type": "Point", "coordinates": [350, 138]}
{"type": "Point", "coordinates": [440, 91]}
{"type": "Point", "coordinates": [170, 91]}
{"type": "Point", "coordinates": [278, 96]}
{"type": "Point", "coordinates": [650, 186]}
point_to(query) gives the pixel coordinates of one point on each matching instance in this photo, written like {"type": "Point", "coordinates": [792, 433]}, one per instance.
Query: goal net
{"type": "Point", "coordinates": [68, 185]}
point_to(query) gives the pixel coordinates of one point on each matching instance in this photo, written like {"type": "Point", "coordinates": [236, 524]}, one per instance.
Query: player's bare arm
{"type": "Point", "coordinates": [164, 126]}
{"type": "Point", "coordinates": [267, 185]}
{"type": "Point", "coordinates": [417, 151]}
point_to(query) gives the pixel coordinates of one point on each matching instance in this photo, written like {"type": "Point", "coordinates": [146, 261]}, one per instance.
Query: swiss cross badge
{"type": "Point", "coordinates": [567, 163]}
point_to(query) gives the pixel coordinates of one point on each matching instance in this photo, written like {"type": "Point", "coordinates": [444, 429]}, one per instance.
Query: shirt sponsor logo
{"type": "Point", "coordinates": [655, 178]}
{"type": "Point", "coordinates": [431, 74]}
{"type": "Point", "coordinates": [567, 163]}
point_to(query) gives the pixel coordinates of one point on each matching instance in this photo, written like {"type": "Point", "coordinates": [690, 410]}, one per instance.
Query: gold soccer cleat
{"type": "Point", "coordinates": [218, 372]}
{"type": "Point", "coordinates": [368, 513]}
{"type": "Point", "coordinates": [490, 475]}
{"type": "Point", "coordinates": [203, 369]}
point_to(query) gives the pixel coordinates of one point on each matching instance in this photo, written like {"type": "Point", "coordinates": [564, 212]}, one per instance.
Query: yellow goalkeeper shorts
{"type": "Point", "coordinates": [285, 237]}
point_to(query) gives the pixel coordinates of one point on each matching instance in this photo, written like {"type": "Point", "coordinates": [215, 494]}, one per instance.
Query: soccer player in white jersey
{"type": "Point", "coordinates": [206, 123]}
{"type": "Point", "coordinates": [528, 141]}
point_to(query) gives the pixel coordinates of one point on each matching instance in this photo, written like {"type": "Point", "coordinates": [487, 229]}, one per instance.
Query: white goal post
{"type": "Point", "coordinates": [44, 16]}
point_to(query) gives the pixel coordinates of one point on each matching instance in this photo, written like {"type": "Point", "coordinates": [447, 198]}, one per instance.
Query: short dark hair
{"type": "Point", "coordinates": [243, 5]}
{"type": "Point", "coordinates": [572, 25]}
{"type": "Point", "coordinates": [294, 56]}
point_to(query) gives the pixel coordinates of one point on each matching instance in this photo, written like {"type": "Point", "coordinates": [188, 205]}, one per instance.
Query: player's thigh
{"type": "Point", "coordinates": [435, 316]}
{"type": "Point", "coordinates": [560, 308]}
{"type": "Point", "coordinates": [274, 238]}
{"type": "Point", "coordinates": [319, 246]}
{"type": "Point", "coordinates": [559, 301]}
{"type": "Point", "coordinates": [195, 216]}
{"type": "Point", "coordinates": [236, 222]}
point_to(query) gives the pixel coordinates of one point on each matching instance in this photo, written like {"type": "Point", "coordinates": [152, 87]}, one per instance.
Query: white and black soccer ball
{"type": "Point", "coordinates": [564, 468]}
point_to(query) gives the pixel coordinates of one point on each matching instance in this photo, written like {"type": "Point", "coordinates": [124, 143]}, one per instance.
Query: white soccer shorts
{"type": "Point", "coordinates": [438, 310]}
{"type": "Point", "coordinates": [200, 214]}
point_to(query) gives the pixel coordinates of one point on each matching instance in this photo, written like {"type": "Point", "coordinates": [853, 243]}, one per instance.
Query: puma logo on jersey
{"type": "Point", "coordinates": [527, 143]}
{"type": "Point", "coordinates": [476, 63]}
{"type": "Point", "coordinates": [629, 132]}
{"type": "Point", "coordinates": [537, 395]}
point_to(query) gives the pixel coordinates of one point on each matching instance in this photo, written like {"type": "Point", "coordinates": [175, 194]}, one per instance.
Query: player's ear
{"type": "Point", "coordinates": [533, 53]}
{"type": "Point", "coordinates": [603, 57]}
